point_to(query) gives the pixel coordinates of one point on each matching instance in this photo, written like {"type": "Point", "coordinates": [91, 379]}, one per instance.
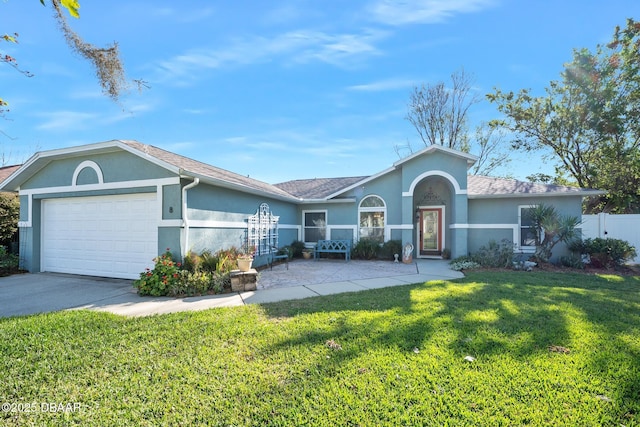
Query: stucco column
{"type": "Point", "coordinates": [459, 228]}
{"type": "Point", "coordinates": [407, 220]}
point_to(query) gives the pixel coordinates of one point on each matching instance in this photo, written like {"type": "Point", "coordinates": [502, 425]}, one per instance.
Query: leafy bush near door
{"type": "Point", "coordinates": [372, 249]}
{"type": "Point", "coordinates": [390, 248]}
{"type": "Point", "coordinates": [366, 249]}
{"type": "Point", "coordinates": [296, 249]}
{"type": "Point", "coordinates": [495, 255]}
{"type": "Point", "coordinates": [491, 255]}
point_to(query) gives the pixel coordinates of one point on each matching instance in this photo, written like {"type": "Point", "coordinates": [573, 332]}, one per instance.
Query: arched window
{"type": "Point", "coordinates": [372, 214]}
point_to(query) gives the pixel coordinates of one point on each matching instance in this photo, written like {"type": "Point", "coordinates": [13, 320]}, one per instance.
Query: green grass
{"type": "Point", "coordinates": [392, 356]}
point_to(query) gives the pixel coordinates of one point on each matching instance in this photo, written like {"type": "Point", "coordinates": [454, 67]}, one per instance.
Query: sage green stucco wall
{"type": "Point", "coordinates": [495, 215]}
{"type": "Point", "coordinates": [172, 201]}
{"type": "Point", "coordinates": [115, 167]}
{"type": "Point", "coordinates": [444, 175]}
{"type": "Point", "coordinates": [435, 172]}
{"type": "Point", "coordinates": [435, 161]}
{"type": "Point", "coordinates": [218, 217]}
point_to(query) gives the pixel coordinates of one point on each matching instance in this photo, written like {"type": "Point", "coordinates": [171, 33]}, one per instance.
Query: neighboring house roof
{"type": "Point", "coordinates": [7, 171]}
{"type": "Point", "coordinates": [317, 188]}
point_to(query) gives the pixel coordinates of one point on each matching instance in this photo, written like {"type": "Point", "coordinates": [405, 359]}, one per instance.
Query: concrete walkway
{"type": "Point", "coordinates": [44, 292]}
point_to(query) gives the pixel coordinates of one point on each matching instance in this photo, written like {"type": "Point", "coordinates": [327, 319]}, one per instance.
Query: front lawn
{"type": "Point", "coordinates": [508, 348]}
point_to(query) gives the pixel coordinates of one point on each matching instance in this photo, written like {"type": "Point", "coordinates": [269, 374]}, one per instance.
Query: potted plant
{"type": "Point", "coordinates": [306, 253]}
{"type": "Point", "coordinates": [245, 259]}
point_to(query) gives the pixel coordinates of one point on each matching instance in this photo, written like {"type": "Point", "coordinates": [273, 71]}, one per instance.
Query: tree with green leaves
{"type": "Point", "coordinates": [588, 123]}
{"type": "Point", "coordinates": [9, 214]}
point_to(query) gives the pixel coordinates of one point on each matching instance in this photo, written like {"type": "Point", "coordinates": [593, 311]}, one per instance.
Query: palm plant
{"type": "Point", "coordinates": [551, 228]}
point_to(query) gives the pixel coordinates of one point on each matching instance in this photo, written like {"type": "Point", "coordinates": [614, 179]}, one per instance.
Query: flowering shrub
{"type": "Point", "coordinates": [157, 282]}
{"type": "Point", "coordinates": [196, 277]}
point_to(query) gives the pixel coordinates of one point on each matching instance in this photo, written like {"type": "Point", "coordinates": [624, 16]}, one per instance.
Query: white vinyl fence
{"type": "Point", "coordinates": [623, 227]}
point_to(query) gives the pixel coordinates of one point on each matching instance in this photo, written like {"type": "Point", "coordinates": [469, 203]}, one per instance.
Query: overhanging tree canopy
{"type": "Point", "coordinates": [589, 122]}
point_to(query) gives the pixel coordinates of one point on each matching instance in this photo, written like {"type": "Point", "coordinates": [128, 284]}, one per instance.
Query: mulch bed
{"type": "Point", "coordinates": [626, 270]}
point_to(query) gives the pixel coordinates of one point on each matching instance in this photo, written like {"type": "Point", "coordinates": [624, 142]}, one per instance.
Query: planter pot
{"type": "Point", "coordinates": [306, 255]}
{"type": "Point", "coordinates": [244, 264]}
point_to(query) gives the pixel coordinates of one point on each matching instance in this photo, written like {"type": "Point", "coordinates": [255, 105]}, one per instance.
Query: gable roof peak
{"type": "Point", "coordinates": [471, 159]}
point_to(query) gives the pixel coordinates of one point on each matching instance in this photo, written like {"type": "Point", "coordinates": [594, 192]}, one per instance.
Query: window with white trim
{"type": "Point", "coordinates": [315, 226]}
{"type": "Point", "coordinates": [371, 214]}
{"type": "Point", "coordinates": [526, 228]}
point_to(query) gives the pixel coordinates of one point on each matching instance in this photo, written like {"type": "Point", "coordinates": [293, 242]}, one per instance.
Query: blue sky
{"type": "Point", "coordinates": [287, 89]}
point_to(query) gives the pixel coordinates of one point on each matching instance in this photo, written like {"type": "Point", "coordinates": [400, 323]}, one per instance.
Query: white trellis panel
{"type": "Point", "coordinates": [262, 231]}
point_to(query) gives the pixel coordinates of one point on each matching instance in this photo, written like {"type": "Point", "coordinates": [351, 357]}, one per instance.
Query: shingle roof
{"type": "Point", "coordinates": [190, 166]}
{"type": "Point", "coordinates": [296, 190]}
{"type": "Point", "coordinates": [317, 188]}
{"type": "Point", "coordinates": [487, 186]}
{"type": "Point", "coordinates": [477, 186]}
{"type": "Point", "coordinates": [6, 171]}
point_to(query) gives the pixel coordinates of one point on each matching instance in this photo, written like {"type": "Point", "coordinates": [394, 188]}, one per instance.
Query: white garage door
{"type": "Point", "coordinates": [109, 236]}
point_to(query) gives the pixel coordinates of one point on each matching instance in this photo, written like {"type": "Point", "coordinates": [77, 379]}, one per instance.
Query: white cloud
{"type": "Point", "coordinates": [66, 120]}
{"type": "Point", "coordinates": [340, 50]}
{"type": "Point", "coordinates": [295, 47]}
{"type": "Point", "coordinates": [394, 12]}
{"type": "Point", "coordinates": [384, 85]}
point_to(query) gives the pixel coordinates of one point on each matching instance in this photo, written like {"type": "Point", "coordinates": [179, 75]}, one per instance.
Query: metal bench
{"type": "Point", "coordinates": [333, 247]}
{"type": "Point", "coordinates": [275, 256]}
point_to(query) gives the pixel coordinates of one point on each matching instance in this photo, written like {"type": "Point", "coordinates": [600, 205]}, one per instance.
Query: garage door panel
{"type": "Point", "coordinates": [112, 236]}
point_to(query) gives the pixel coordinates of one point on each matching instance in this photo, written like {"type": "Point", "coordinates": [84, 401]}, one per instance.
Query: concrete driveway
{"type": "Point", "coordinates": [24, 294]}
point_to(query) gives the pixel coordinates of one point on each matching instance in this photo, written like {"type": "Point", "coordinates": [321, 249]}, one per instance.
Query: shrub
{"type": "Point", "coordinates": [8, 262]}
{"type": "Point", "coordinates": [551, 228]}
{"type": "Point", "coordinates": [164, 275]}
{"type": "Point", "coordinates": [296, 249]}
{"type": "Point", "coordinates": [463, 263]}
{"type": "Point", "coordinates": [200, 274]}
{"type": "Point", "coordinates": [191, 261]}
{"type": "Point", "coordinates": [572, 261]}
{"type": "Point", "coordinates": [366, 249]}
{"type": "Point", "coordinates": [608, 252]}
{"type": "Point", "coordinates": [208, 262]}
{"type": "Point", "coordinates": [9, 214]}
{"type": "Point", "coordinates": [495, 255]}
{"type": "Point", "coordinates": [391, 247]}
{"type": "Point", "coordinates": [227, 259]}
{"type": "Point", "coordinates": [219, 282]}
